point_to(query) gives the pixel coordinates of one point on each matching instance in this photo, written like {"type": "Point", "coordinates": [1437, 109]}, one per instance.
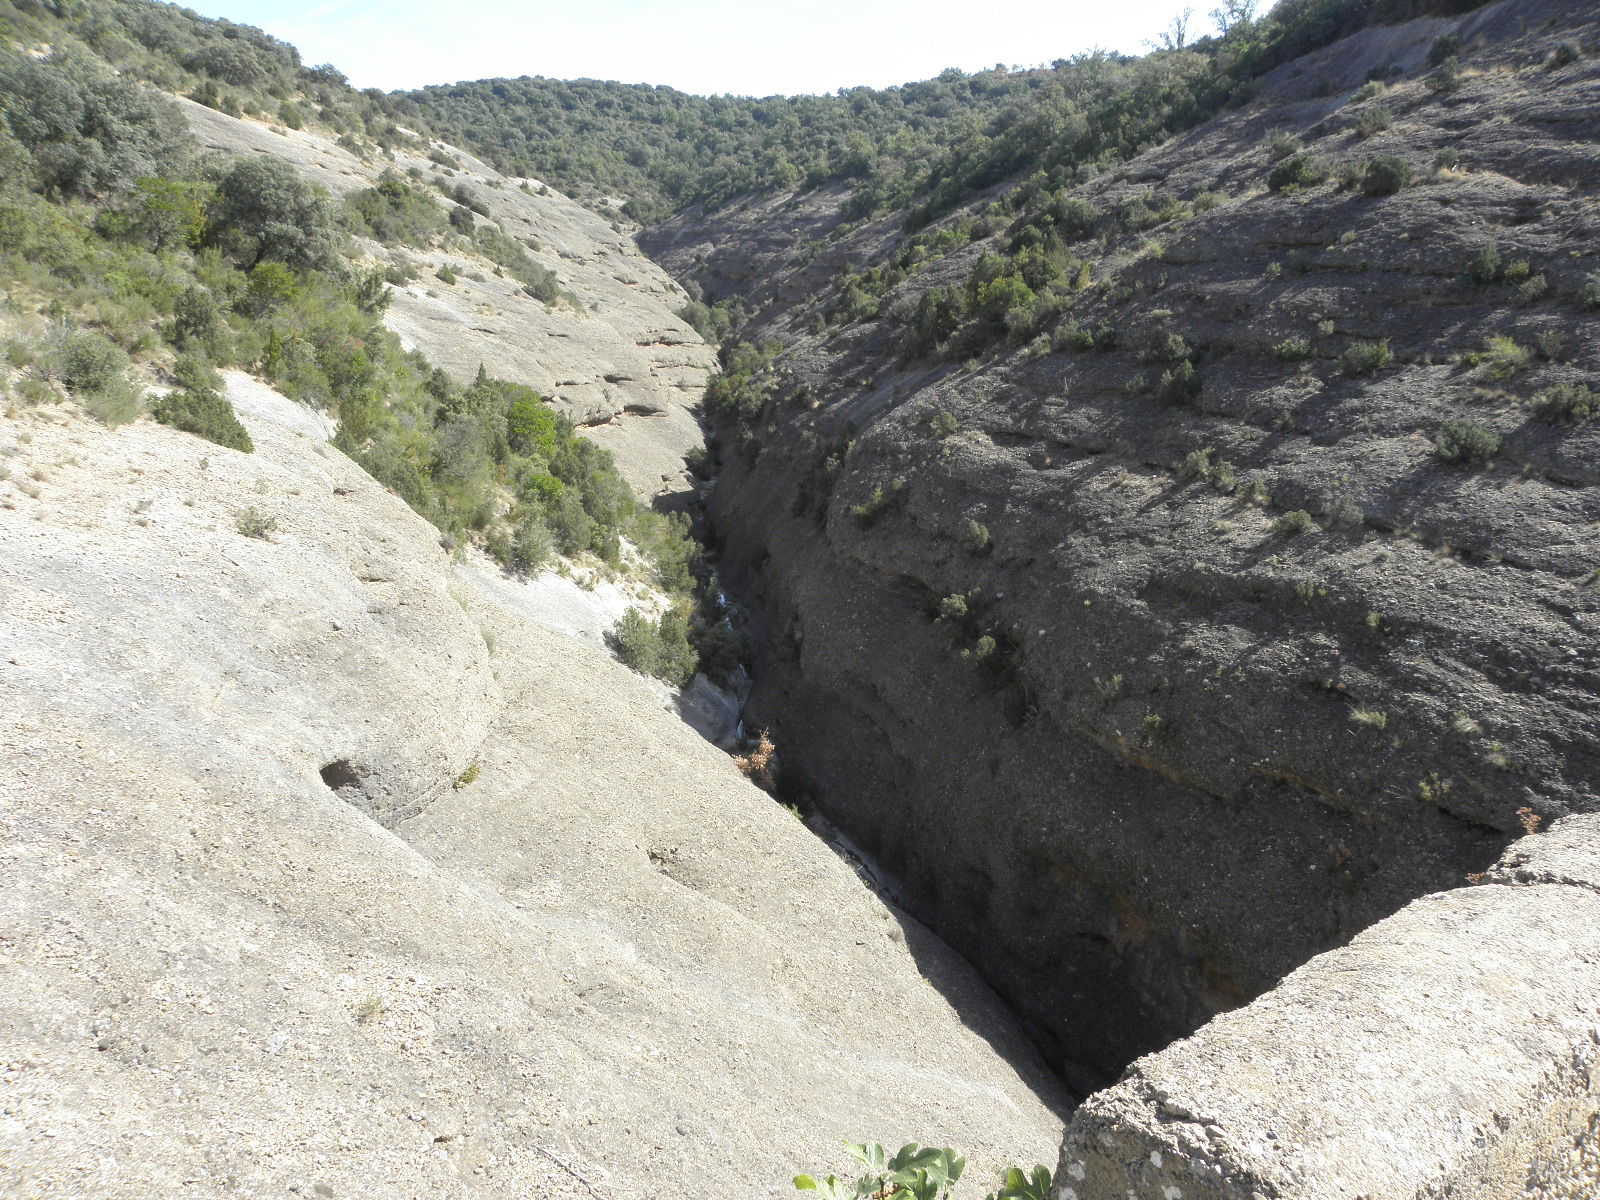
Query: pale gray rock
{"type": "Point", "coordinates": [264, 930]}
{"type": "Point", "coordinates": [713, 712]}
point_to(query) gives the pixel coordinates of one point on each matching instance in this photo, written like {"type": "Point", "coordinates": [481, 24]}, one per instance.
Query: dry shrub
{"type": "Point", "coordinates": [758, 764]}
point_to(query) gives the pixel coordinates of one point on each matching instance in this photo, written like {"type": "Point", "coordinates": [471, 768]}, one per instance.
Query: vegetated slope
{"type": "Point", "coordinates": [327, 873]}
{"type": "Point", "coordinates": [571, 309]}
{"type": "Point", "coordinates": [235, 68]}
{"type": "Point", "coordinates": [1172, 573]}
{"type": "Point", "coordinates": [497, 273]}
{"type": "Point", "coordinates": [654, 149]}
{"type": "Point", "coordinates": [133, 256]}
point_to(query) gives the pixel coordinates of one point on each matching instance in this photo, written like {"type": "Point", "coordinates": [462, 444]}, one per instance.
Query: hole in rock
{"type": "Point", "coordinates": [341, 776]}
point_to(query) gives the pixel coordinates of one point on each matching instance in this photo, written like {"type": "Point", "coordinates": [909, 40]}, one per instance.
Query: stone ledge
{"type": "Point", "coordinates": [1449, 1051]}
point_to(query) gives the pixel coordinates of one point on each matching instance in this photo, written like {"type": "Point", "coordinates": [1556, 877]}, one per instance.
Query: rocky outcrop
{"type": "Point", "coordinates": [615, 359]}
{"type": "Point", "coordinates": [1166, 748]}
{"type": "Point", "coordinates": [1450, 1050]}
{"type": "Point", "coordinates": [328, 873]}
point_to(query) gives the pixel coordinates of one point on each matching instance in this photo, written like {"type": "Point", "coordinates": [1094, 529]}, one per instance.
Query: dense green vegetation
{"type": "Point", "coordinates": [233, 68]}
{"type": "Point", "coordinates": [661, 148]}
{"type": "Point", "coordinates": [924, 146]}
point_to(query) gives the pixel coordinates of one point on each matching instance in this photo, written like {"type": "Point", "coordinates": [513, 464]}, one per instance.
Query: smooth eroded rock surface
{"type": "Point", "coordinates": [327, 872]}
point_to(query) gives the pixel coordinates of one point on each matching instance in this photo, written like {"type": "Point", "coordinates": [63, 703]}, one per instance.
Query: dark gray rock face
{"type": "Point", "coordinates": [1198, 747]}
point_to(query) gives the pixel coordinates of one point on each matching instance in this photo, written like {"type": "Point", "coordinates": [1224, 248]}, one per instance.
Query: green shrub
{"type": "Point", "coordinates": [1567, 403]}
{"type": "Point", "coordinates": [1503, 357]}
{"type": "Point", "coordinates": [1590, 295]}
{"type": "Point", "coordinates": [1466, 443]}
{"type": "Point", "coordinates": [1486, 266]}
{"type": "Point", "coordinates": [268, 287]}
{"type": "Point", "coordinates": [1374, 120]}
{"type": "Point", "coordinates": [1370, 718]}
{"type": "Point", "coordinates": [1300, 171]}
{"type": "Point", "coordinates": [252, 522]}
{"type": "Point", "coordinates": [265, 211]}
{"type": "Point", "coordinates": [881, 501]}
{"type": "Point", "coordinates": [1281, 144]}
{"type": "Point", "coordinates": [1552, 344]}
{"type": "Point", "coordinates": [1074, 217]}
{"type": "Point", "coordinates": [736, 399]}
{"type": "Point", "coordinates": [1344, 513]}
{"type": "Point", "coordinates": [1196, 465]}
{"type": "Point", "coordinates": [81, 130]}
{"type": "Point", "coordinates": [1532, 290]}
{"type": "Point", "coordinates": [112, 406]}
{"type": "Point", "coordinates": [1366, 358]}
{"type": "Point", "coordinates": [1293, 522]}
{"type": "Point", "coordinates": [1292, 349]}
{"type": "Point", "coordinates": [919, 1173]}
{"type": "Point", "coordinates": [1204, 464]}
{"type": "Point", "coordinates": [1368, 90]}
{"type": "Point", "coordinates": [87, 361]}
{"type": "Point", "coordinates": [505, 251]}
{"type": "Point", "coordinates": [204, 412]}
{"type": "Point", "coordinates": [660, 648]}
{"type": "Point", "coordinates": [197, 322]}
{"type": "Point", "coordinates": [1179, 384]}
{"type": "Point", "coordinates": [1168, 347]}
{"type": "Point", "coordinates": [1446, 45]}
{"type": "Point", "coordinates": [1446, 79]}
{"type": "Point", "coordinates": [1071, 336]}
{"type": "Point", "coordinates": [532, 546]}
{"type": "Point", "coordinates": [191, 371]}
{"type": "Point", "coordinates": [1385, 175]}
{"type": "Point", "coordinates": [395, 213]}
{"type": "Point", "coordinates": [915, 1172]}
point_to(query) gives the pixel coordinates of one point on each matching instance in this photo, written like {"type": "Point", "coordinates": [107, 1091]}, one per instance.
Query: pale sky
{"type": "Point", "coordinates": [709, 47]}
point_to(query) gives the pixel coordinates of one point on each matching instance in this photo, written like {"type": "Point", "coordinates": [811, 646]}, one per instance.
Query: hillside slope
{"type": "Point", "coordinates": [1206, 605]}
{"type": "Point", "coordinates": [614, 359]}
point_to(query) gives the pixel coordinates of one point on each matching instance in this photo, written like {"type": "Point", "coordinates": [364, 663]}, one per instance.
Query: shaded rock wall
{"type": "Point", "coordinates": [1204, 749]}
